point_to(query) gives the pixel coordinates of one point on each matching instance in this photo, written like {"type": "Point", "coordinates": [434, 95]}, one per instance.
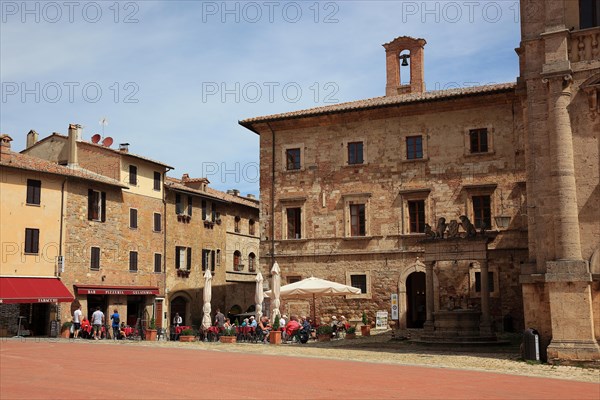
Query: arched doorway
{"type": "Point", "coordinates": [416, 313]}
{"type": "Point", "coordinates": [178, 305]}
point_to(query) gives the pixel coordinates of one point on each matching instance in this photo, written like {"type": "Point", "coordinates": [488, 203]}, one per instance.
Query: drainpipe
{"type": "Point", "coordinates": [164, 187]}
{"type": "Point", "coordinates": [272, 195]}
{"type": "Point", "coordinates": [62, 215]}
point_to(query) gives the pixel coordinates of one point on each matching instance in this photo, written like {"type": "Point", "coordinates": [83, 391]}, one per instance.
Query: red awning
{"type": "Point", "coordinates": [122, 290]}
{"type": "Point", "coordinates": [33, 290]}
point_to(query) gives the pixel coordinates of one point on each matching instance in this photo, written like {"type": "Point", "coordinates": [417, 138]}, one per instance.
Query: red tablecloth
{"type": "Point", "coordinates": [213, 329]}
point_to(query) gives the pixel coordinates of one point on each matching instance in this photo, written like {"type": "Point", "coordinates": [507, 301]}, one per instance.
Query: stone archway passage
{"type": "Point", "coordinates": [416, 301]}
{"type": "Point", "coordinates": [179, 305]}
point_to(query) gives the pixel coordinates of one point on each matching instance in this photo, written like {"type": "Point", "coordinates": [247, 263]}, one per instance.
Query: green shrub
{"type": "Point", "coordinates": [67, 325]}
{"type": "Point", "coordinates": [351, 330]}
{"type": "Point", "coordinates": [365, 320]}
{"type": "Point", "coordinates": [187, 332]}
{"type": "Point", "coordinates": [324, 330]}
{"type": "Point", "coordinates": [230, 331]}
{"type": "Point", "coordinates": [276, 322]}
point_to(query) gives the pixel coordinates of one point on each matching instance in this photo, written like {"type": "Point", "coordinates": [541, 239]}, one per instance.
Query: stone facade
{"type": "Point", "coordinates": [559, 88]}
{"type": "Point", "coordinates": [208, 227]}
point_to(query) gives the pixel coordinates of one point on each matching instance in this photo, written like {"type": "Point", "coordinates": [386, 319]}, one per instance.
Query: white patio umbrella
{"type": "Point", "coordinates": [259, 295]}
{"type": "Point", "coordinates": [206, 320]}
{"type": "Point", "coordinates": [311, 288]}
{"type": "Point", "coordinates": [276, 273]}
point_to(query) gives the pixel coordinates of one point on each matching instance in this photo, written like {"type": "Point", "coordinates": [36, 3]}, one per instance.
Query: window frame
{"type": "Point", "coordinates": [157, 217]}
{"type": "Point", "coordinates": [594, 12]}
{"type": "Point", "coordinates": [251, 262]}
{"type": "Point", "coordinates": [133, 175]}
{"type": "Point", "coordinates": [237, 261]}
{"type": "Point", "coordinates": [421, 217]}
{"type": "Point", "coordinates": [34, 192]}
{"type": "Point", "coordinates": [251, 227]}
{"type": "Point", "coordinates": [351, 200]}
{"type": "Point", "coordinates": [490, 140]}
{"type": "Point", "coordinates": [369, 292]}
{"type": "Point", "coordinates": [133, 261]}
{"type": "Point", "coordinates": [157, 185]}
{"type": "Point", "coordinates": [99, 205]}
{"type": "Point", "coordinates": [296, 161]}
{"type": "Point", "coordinates": [358, 211]}
{"type": "Point", "coordinates": [298, 225]}
{"type": "Point", "coordinates": [478, 146]}
{"type": "Point", "coordinates": [413, 150]}
{"type": "Point", "coordinates": [158, 256]}
{"type": "Point", "coordinates": [183, 258]}
{"type": "Point", "coordinates": [236, 224]}
{"type": "Point", "coordinates": [95, 257]}
{"type": "Point", "coordinates": [133, 218]}
{"type": "Point", "coordinates": [353, 156]}
{"type": "Point", "coordinates": [487, 218]}
{"type": "Point", "coordinates": [31, 244]}
{"type": "Point", "coordinates": [284, 157]}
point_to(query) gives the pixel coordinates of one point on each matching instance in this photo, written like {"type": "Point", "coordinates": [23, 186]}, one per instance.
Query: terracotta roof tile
{"type": "Point", "coordinates": [177, 184]}
{"type": "Point", "coordinates": [23, 161]}
{"type": "Point", "coordinates": [384, 101]}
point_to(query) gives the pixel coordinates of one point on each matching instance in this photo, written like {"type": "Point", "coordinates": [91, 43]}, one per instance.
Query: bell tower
{"type": "Point", "coordinates": [396, 57]}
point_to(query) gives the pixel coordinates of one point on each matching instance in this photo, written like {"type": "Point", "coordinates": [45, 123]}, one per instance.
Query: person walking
{"type": "Point", "coordinates": [77, 318]}
{"type": "Point", "coordinates": [97, 322]}
{"type": "Point", "coordinates": [219, 319]}
{"type": "Point", "coordinates": [116, 319]}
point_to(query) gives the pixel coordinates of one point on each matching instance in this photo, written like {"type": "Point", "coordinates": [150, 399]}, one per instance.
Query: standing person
{"type": "Point", "coordinates": [219, 319]}
{"type": "Point", "coordinates": [116, 319]}
{"type": "Point", "coordinates": [177, 320]}
{"type": "Point", "coordinates": [97, 322]}
{"type": "Point", "coordinates": [77, 318]}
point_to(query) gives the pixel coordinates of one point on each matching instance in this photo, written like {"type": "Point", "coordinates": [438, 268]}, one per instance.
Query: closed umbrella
{"type": "Point", "coordinates": [206, 320]}
{"type": "Point", "coordinates": [312, 287]}
{"type": "Point", "coordinates": [276, 273]}
{"type": "Point", "coordinates": [259, 295]}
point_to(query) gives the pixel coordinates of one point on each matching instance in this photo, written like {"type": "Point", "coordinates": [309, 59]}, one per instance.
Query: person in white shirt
{"type": "Point", "coordinates": [97, 322]}
{"type": "Point", "coordinates": [77, 318]}
{"type": "Point", "coordinates": [177, 320]}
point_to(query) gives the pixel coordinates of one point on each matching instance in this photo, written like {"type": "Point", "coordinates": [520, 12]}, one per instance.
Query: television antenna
{"type": "Point", "coordinates": [103, 122]}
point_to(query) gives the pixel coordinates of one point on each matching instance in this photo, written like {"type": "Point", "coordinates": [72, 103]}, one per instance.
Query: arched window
{"type": "Point", "coordinates": [236, 224]}
{"type": "Point", "coordinates": [251, 259]}
{"type": "Point", "coordinates": [237, 261]}
{"type": "Point", "coordinates": [251, 229]}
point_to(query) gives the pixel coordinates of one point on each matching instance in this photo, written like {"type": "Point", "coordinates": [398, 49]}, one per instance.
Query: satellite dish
{"type": "Point", "coordinates": [96, 138]}
{"type": "Point", "coordinates": [107, 141]}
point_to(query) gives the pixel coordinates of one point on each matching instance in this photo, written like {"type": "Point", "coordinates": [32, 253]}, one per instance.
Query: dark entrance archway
{"type": "Point", "coordinates": [416, 314]}
{"type": "Point", "coordinates": [178, 305]}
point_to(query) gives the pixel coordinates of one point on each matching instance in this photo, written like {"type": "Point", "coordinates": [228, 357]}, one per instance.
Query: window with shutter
{"type": "Point", "coordinates": [133, 218]}
{"type": "Point", "coordinates": [157, 262]}
{"type": "Point", "coordinates": [32, 240]}
{"type": "Point", "coordinates": [34, 188]}
{"type": "Point", "coordinates": [95, 258]}
{"type": "Point", "coordinates": [133, 261]}
{"type": "Point", "coordinates": [157, 222]}
{"type": "Point", "coordinates": [132, 175]}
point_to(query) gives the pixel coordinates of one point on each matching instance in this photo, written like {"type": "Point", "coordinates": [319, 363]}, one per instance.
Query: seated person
{"type": "Point", "coordinates": [264, 327]}
{"type": "Point", "coordinates": [292, 327]}
{"type": "Point", "coordinates": [245, 322]}
{"type": "Point", "coordinates": [335, 324]}
{"type": "Point", "coordinates": [227, 323]}
{"type": "Point", "coordinates": [86, 328]}
{"type": "Point", "coordinates": [253, 323]}
{"type": "Point", "coordinates": [344, 324]}
{"type": "Point", "coordinates": [282, 321]}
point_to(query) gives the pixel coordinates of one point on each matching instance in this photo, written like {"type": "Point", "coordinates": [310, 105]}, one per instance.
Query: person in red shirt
{"type": "Point", "coordinates": [292, 327]}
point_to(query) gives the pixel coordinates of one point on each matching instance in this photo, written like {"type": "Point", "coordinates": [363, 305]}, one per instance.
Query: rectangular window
{"type": "Point", "coordinates": [482, 212]}
{"type": "Point", "coordinates": [416, 213]}
{"type": "Point", "coordinates": [157, 262]}
{"type": "Point", "coordinates": [357, 220]}
{"type": "Point", "coordinates": [205, 259]}
{"type": "Point", "coordinates": [360, 282]}
{"type": "Point", "coordinates": [478, 281]}
{"type": "Point", "coordinates": [294, 223]}
{"type": "Point", "coordinates": [292, 159]}
{"type": "Point", "coordinates": [34, 188]}
{"type": "Point", "coordinates": [589, 13]}
{"type": "Point", "coordinates": [479, 140]}
{"type": "Point", "coordinates": [157, 180]}
{"type": "Point", "coordinates": [178, 204]}
{"type": "Point", "coordinates": [218, 257]}
{"type": "Point", "coordinates": [213, 212]}
{"type": "Point", "coordinates": [355, 153]}
{"type": "Point", "coordinates": [133, 218]}
{"type": "Point", "coordinates": [133, 261]}
{"type": "Point", "coordinates": [95, 258]}
{"type": "Point", "coordinates": [251, 227]}
{"type": "Point", "coordinates": [96, 205]}
{"type": "Point", "coordinates": [204, 210]}
{"type": "Point", "coordinates": [132, 175]}
{"type": "Point", "coordinates": [32, 240]}
{"type": "Point", "coordinates": [190, 204]}
{"type": "Point", "coordinates": [414, 147]}
{"type": "Point", "coordinates": [183, 258]}
{"type": "Point", "coordinates": [157, 222]}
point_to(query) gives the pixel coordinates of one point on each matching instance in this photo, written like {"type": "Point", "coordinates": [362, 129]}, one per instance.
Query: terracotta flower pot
{"type": "Point", "coordinates": [365, 330]}
{"type": "Point", "coordinates": [350, 335]}
{"type": "Point", "coordinates": [151, 335]}
{"type": "Point", "coordinates": [324, 338]}
{"type": "Point", "coordinates": [66, 333]}
{"type": "Point", "coordinates": [275, 337]}
{"type": "Point", "coordinates": [187, 338]}
{"type": "Point", "coordinates": [228, 339]}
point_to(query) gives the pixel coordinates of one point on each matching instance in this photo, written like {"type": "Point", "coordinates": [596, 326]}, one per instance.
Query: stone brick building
{"type": "Point", "coordinates": [348, 190]}
{"type": "Point", "coordinates": [204, 231]}
{"type": "Point", "coordinates": [114, 235]}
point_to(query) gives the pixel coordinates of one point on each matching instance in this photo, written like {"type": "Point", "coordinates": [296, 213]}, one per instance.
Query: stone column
{"type": "Point", "coordinates": [566, 228]}
{"type": "Point", "coordinates": [485, 326]}
{"type": "Point", "coordinates": [429, 295]}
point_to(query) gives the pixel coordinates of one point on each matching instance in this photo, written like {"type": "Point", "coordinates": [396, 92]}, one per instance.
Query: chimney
{"type": "Point", "coordinates": [32, 138]}
{"type": "Point", "coordinates": [250, 196]}
{"type": "Point", "coordinates": [124, 147]}
{"type": "Point", "coordinates": [410, 50]}
{"type": "Point", "coordinates": [74, 137]}
{"type": "Point", "coordinates": [5, 145]}
{"type": "Point", "coordinates": [235, 192]}
{"type": "Point", "coordinates": [185, 177]}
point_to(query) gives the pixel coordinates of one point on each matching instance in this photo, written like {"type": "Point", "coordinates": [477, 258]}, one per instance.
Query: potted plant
{"type": "Point", "coordinates": [229, 335]}
{"type": "Point", "coordinates": [351, 333]}
{"type": "Point", "coordinates": [151, 331]}
{"type": "Point", "coordinates": [275, 334]}
{"type": "Point", "coordinates": [65, 331]}
{"type": "Point", "coordinates": [187, 335]}
{"type": "Point", "coordinates": [365, 329]}
{"type": "Point", "coordinates": [324, 333]}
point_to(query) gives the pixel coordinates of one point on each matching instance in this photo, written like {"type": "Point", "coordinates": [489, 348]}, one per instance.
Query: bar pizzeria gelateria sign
{"type": "Point", "coordinates": [131, 292]}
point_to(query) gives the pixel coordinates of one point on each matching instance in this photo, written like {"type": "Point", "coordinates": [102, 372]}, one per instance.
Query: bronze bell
{"type": "Point", "coordinates": [405, 60]}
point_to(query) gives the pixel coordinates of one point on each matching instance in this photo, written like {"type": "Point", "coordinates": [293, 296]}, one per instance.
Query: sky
{"type": "Point", "coordinates": [173, 78]}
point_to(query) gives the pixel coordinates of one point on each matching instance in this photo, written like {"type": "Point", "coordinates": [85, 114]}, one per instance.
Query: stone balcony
{"type": "Point", "coordinates": [584, 45]}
